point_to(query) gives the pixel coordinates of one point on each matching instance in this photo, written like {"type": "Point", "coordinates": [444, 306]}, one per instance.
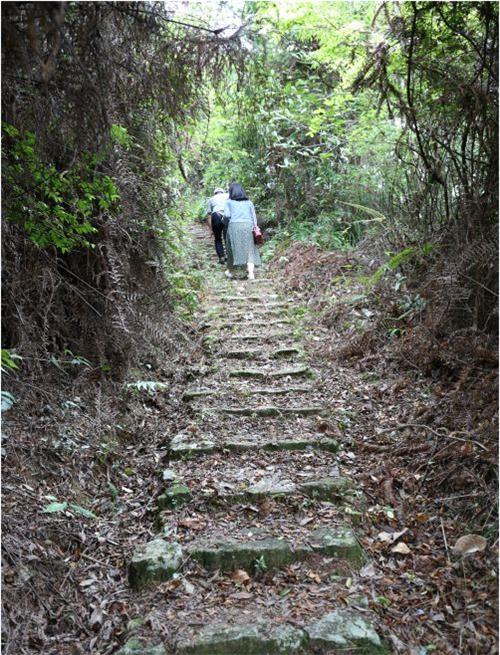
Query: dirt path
{"type": "Point", "coordinates": [252, 493]}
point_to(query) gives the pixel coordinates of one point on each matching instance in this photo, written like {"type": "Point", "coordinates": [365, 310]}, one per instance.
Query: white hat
{"type": "Point", "coordinates": [218, 190]}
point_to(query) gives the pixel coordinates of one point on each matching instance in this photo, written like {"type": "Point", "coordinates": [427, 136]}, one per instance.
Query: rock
{"type": "Point", "coordinates": [338, 542]}
{"type": "Point", "coordinates": [228, 554]}
{"type": "Point", "coordinates": [330, 445]}
{"type": "Point", "coordinates": [169, 475]}
{"type": "Point", "coordinates": [327, 489]}
{"type": "Point", "coordinates": [257, 638]}
{"type": "Point", "coordinates": [154, 562]}
{"type": "Point", "coordinates": [270, 487]}
{"type": "Point", "coordinates": [139, 647]}
{"type": "Point", "coordinates": [186, 445]}
{"type": "Point", "coordinates": [242, 354]}
{"type": "Point", "coordinates": [247, 373]}
{"type": "Point", "coordinates": [174, 496]}
{"type": "Point", "coordinates": [344, 629]}
{"type": "Point", "coordinates": [195, 393]}
{"type": "Point", "coordinates": [135, 623]}
{"type": "Point", "coordinates": [292, 372]}
{"type": "Point", "coordinates": [257, 373]}
{"type": "Point", "coordinates": [286, 352]}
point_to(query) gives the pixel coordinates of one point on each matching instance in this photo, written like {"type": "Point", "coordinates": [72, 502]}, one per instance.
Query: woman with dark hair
{"type": "Point", "coordinates": [241, 249]}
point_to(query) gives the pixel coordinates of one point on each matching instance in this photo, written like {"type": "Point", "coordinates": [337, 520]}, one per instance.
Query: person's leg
{"type": "Point", "coordinates": [217, 228]}
{"type": "Point", "coordinates": [250, 267]}
{"type": "Point", "coordinates": [229, 251]}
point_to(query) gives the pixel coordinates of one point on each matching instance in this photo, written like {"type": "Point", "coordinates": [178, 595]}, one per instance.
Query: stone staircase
{"type": "Point", "coordinates": [257, 485]}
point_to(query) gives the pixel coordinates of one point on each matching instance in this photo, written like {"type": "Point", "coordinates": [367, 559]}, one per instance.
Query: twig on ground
{"type": "Point", "coordinates": [445, 541]}
{"type": "Point", "coordinates": [402, 426]}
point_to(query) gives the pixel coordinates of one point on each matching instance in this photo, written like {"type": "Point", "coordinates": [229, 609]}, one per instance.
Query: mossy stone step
{"type": "Point", "coordinates": [229, 553]}
{"type": "Point", "coordinates": [154, 562]}
{"type": "Point", "coordinates": [296, 371]}
{"type": "Point", "coordinates": [258, 353]}
{"type": "Point", "coordinates": [174, 496]}
{"type": "Point", "coordinates": [140, 647]}
{"type": "Point", "coordinates": [258, 337]}
{"type": "Point", "coordinates": [255, 311]}
{"type": "Point", "coordinates": [258, 638]}
{"type": "Point", "coordinates": [343, 631]}
{"type": "Point", "coordinates": [275, 391]}
{"type": "Point", "coordinates": [267, 324]}
{"type": "Point", "coordinates": [339, 631]}
{"type": "Point", "coordinates": [283, 353]}
{"type": "Point", "coordinates": [185, 446]}
{"type": "Point", "coordinates": [332, 489]}
{"type": "Point", "coordinates": [241, 354]}
{"type": "Point", "coordinates": [241, 322]}
{"type": "Point", "coordinates": [253, 297]}
{"type": "Point", "coordinates": [159, 559]}
{"type": "Point", "coordinates": [193, 394]}
{"type": "Point", "coordinates": [272, 411]}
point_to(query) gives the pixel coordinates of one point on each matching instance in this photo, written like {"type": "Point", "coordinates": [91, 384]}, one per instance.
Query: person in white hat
{"type": "Point", "coordinates": [215, 214]}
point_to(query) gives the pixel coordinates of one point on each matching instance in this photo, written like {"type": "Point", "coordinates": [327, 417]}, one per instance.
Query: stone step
{"type": "Point", "coordinates": [329, 489]}
{"type": "Point", "coordinates": [242, 354]}
{"type": "Point", "coordinates": [298, 371]}
{"type": "Point", "coordinates": [244, 323]}
{"type": "Point", "coordinates": [140, 647]}
{"type": "Point", "coordinates": [285, 352]}
{"type": "Point", "coordinates": [160, 558]}
{"type": "Point", "coordinates": [260, 337]}
{"type": "Point", "coordinates": [270, 411]}
{"type": "Point", "coordinates": [253, 310]}
{"type": "Point", "coordinates": [254, 298]}
{"type": "Point", "coordinates": [258, 353]}
{"type": "Point", "coordinates": [220, 392]}
{"type": "Point", "coordinates": [275, 391]}
{"type": "Point", "coordinates": [187, 445]}
{"type": "Point", "coordinates": [338, 631]}
{"type": "Point", "coordinates": [336, 490]}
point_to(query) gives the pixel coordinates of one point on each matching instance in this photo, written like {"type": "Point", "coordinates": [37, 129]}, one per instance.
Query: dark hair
{"type": "Point", "coordinates": [236, 192]}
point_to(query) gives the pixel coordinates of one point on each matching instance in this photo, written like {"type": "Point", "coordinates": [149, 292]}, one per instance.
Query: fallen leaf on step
{"type": "Point", "coordinates": [188, 587]}
{"type": "Point", "coordinates": [192, 524]}
{"type": "Point", "coordinates": [391, 537]}
{"type": "Point", "coordinates": [368, 571]}
{"type": "Point", "coordinates": [401, 549]}
{"type": "Point", "coordinates": [306, 520]}
{"type": "Point", "coordinates": [240, 576]}
{"type": "Point", "coordinates": [314, 576]}
{"type": "Point", "coordinates": [241, 595]}
{"type": "Point", "coordinates": [96, 618]}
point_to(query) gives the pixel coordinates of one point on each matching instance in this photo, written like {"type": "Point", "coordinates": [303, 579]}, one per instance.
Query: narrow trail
{"type": "Point", "coordinates": [252, 496]}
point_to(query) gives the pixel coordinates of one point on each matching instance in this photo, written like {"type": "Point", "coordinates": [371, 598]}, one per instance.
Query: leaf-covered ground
{"type": "Point", "coordinates": [427, 478]}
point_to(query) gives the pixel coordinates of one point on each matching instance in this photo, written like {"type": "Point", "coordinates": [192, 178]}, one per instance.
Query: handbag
{"type": "Point", "coordinates": [258, 239]}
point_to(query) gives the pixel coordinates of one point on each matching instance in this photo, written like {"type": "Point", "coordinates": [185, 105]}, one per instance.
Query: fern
{"type": "Point", "coordinates": [150, 386]}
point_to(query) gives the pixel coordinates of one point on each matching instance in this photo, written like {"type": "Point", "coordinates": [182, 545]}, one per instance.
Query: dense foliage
{"type": "Point", "coordinates": [97, 100]}
{"type": "Point", "coordinates": [360, 120]}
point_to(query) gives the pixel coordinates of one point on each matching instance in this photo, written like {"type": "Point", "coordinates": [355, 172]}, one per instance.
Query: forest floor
{"type": "Point", "coordinates": [294, 483]}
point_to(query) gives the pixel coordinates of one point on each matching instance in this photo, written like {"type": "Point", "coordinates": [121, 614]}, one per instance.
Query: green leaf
{"type": "Point", "coordinates": [7, 400]}
{"type": "Point", "coordinates": [51, 508]}
{"type": "Point", "coordinates": [81, 510]}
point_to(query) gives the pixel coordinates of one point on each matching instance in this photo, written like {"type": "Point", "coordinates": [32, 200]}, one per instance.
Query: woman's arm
{"type": "Point", "coordinates": [253, 214]}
